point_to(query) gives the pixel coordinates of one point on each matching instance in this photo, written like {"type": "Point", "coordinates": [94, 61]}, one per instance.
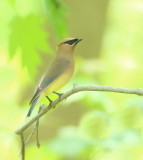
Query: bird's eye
{"type": "Point", "coordinates": [71, 42]}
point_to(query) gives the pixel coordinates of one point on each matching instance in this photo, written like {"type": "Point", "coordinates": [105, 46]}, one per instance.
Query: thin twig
{"type": "Point", "coordinates": [75, 90]}
{"type": "Point", "coordinates": [22, 147]}
{"type": "Point", "coordinates": [37, 127]}
{"type": "Point", "coordinates": [37, 133]}
{"type": "Point", "coordinates": [31, 134]}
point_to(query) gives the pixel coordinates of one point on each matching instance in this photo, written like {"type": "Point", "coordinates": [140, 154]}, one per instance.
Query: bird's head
{"type": "Point", "coordinates": [68, 44]}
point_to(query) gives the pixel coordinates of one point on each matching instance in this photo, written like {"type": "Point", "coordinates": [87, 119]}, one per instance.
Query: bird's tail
{"type": "Point", "coordinates": [32, 107]}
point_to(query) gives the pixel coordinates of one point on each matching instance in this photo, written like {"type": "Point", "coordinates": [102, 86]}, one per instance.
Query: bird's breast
{"type": "Point", "coordinates": [61, 80]}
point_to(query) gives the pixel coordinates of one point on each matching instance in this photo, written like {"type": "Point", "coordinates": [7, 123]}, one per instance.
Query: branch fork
{"type": "Point", "coordinates": [53, 104]}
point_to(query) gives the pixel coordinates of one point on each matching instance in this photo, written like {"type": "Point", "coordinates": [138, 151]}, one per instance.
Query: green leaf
{"type": "Point", "coordinates": [56, 14]}
{"type": "Point", "coordinates": [28, 38]}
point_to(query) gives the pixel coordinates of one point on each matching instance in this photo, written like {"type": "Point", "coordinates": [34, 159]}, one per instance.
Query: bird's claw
{"type": "Point", "coordinates": [49, 99]}
{"type": "Point", "coordinates": [59, 94]}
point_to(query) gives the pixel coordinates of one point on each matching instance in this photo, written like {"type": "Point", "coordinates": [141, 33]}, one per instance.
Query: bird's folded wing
{"type": "Point", "coordinates": [57, 68]}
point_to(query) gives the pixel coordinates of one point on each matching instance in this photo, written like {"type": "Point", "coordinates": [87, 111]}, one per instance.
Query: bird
{"type": "Point", "coordinates": [58, 73]}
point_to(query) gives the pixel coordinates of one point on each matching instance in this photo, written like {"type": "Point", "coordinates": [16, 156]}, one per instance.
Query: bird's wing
{"type": "Point", "coordinates": [57, 68]}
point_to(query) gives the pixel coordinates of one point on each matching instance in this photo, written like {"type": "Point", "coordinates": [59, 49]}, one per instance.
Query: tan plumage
{"type": "Point", "coordinates": [58, 73]}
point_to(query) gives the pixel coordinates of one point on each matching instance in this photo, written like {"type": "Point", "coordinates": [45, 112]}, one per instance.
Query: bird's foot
{"type": "Point", "coordinates": [59, 94]}
{"type": "Point", "coordinates": [49, 99]}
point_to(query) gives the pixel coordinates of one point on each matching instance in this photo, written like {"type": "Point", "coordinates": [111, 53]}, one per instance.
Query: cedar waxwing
{"type": "Point", "coordinates": [58, 73]}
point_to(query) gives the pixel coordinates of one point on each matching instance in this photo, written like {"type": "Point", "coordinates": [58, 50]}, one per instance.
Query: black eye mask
{"type": "Point", "coordinates": [71, 42]}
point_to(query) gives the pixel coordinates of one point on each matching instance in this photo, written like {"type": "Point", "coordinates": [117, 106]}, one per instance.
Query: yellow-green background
{"type": "Point", "coordinates": [89, 125]}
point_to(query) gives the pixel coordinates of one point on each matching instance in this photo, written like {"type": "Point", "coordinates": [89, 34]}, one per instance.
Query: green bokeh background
{"type": "Point", "coordinates": [89, 125]}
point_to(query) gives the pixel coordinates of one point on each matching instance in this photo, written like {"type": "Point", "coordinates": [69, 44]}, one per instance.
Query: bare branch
{"type": "Point", "coordinates": [30, 135]}
{"type": "Point", "coordinates": [76, 89]}
{"type": "Point", "coordinates": [36, 128]}
{"type": "Point", "coordinates": [22, 147]}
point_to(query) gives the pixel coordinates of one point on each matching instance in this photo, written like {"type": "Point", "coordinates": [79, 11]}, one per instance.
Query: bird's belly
{"type": "Point", "coordinates": [59, 82]}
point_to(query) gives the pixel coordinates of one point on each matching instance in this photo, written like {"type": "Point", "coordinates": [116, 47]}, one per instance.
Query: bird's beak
{"type": "Point", "coordinates": [78, 40]}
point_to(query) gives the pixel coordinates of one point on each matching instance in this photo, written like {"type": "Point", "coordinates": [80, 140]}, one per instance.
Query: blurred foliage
{"type": "Point", "coordinates": [88, 125]}
{"type": "Point", "coordinates": [56, 12]}
{"type": "Point", "coordinates": [28, 33]}
{"type": "Point", "coordinates": [26, 29]}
